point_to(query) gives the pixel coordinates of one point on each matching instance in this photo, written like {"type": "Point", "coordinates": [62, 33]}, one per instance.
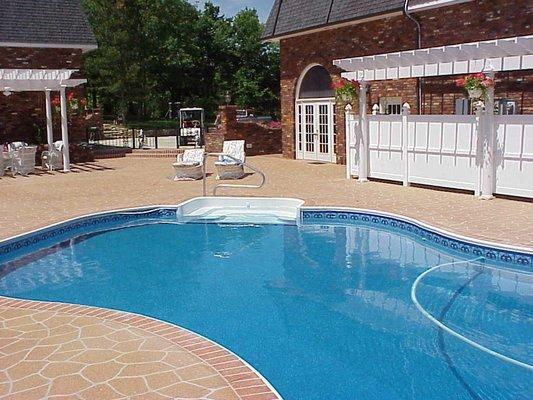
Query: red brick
{"type": "Point", "coordinates": [466, 22]}
{"type": "Point", "coordinates": [20, 111]}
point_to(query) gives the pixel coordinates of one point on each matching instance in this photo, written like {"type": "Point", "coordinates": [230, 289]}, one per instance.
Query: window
{"type": "Point", "coordinates": [316, 84]}
{"type": "Point", "coordinates": [390, 105]}
{"type": "Point", "coordinates": [506, 107]}
{"type": "Point", "coordinates": [463, 107]}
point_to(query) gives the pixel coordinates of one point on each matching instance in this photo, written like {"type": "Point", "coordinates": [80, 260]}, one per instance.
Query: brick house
{"type": "Point", "coordinates": [314, 33]}
{"type": "Point", "coordinates": [41, 36]}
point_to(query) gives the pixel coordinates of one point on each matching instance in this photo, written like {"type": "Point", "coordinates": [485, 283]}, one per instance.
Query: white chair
{"type": "Point", "coordinates": [53, 158]}
{"type": "Point", "coordinates": [3, 165]}
{"type": "Point", "coordinates": [24, 160]}
{"type": "Point", "coordinates": [13, 146]}
{"type": "Point", "coordinates": [231, 168]}
{"type": "Point", "coordinates": [189, 165]}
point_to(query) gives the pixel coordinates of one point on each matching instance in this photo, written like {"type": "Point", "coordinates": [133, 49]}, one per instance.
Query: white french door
{"type": "Point", "coordinates": [315, 127]}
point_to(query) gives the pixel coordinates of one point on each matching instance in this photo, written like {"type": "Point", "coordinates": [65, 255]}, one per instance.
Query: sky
{"type": "Point", "coordinates": [231, 7]}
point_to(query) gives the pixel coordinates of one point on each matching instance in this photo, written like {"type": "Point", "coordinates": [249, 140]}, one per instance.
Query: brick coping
{"type": "Point", "coordinates": [240, 376]}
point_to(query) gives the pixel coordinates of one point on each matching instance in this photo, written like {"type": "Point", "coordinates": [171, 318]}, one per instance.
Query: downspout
{"type": "Point", "coordinates": [419, 81]}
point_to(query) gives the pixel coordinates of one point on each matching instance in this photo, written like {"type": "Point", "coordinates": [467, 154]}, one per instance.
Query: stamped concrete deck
{"type": "Point", "coordinates": [56, 351]}
{"type": "Point", "coordinates": [38, 200]}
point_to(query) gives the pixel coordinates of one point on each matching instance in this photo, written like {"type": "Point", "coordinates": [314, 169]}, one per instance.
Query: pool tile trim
{"type": "Point", "coordinates": [508, 255]}
{"type": "Point", "coordinates": [244, 384]}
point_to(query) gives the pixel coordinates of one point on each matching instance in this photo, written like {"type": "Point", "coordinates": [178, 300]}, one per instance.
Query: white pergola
{"type": "Point", "coordinates": [488, 56]}
{"type": "Point", "coordinates": [491, 55]}
{"type": "Point", "coordinates": [47, 81]}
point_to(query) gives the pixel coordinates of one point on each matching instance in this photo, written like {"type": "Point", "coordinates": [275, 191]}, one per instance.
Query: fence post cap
{"type": "Point", "coordinates": [348, 108]}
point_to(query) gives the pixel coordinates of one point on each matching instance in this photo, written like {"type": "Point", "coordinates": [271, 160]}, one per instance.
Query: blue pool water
{"type": "Point", "coordinates": [322, 312]}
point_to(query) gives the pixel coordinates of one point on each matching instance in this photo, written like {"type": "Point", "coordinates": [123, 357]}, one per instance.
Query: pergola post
{"type": "Point", "coordinates": [488, 164]}
{"type": "Point", "coordinates": [64, 129]}
{"type": "Point", "coordinates": [349, 121]}
{"type": "Point", "coordinates": [363, 128]}
{"type": "Point", "coordinates": [49, 122]}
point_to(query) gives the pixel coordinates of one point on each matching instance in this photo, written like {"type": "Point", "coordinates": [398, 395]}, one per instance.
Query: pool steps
{"type": "Point", "coordinates": [240, 210]}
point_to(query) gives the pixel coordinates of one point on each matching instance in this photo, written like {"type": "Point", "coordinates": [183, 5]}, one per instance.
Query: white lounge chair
{"type": "Point", "coordinates": [24, 160]}
{"type": "Point", "coordinates": [13, 146]}
{"type": "Point", "coordinates": [189, 165]}
{"type": "Point", "coordinates": [53, 158]}
{"type": "Point", "coordinates": [231, 168]}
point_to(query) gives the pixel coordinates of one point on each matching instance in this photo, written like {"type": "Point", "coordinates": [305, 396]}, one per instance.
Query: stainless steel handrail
{"type": "Point", "coordinates": [228, 185]}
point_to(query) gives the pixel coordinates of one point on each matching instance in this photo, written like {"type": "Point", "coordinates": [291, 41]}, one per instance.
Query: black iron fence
{"type": "Point", "coordinates": [135, 138]}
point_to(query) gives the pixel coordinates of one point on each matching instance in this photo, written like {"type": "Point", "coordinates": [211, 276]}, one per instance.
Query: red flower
{"type": "Point", "coordinates": [70, 96]}
{"type": "Point", "coordinates": [56, 102]}
{"type": "Point", "coordinates": [460, 82]}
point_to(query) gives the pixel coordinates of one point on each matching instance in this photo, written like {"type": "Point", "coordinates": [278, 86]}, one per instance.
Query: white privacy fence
{"type": "Point", "coordinates": [444, 150]}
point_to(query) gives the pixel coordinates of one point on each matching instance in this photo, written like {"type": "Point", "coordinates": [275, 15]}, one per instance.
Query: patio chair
{"type": "Point", "coordinates": [24, 160]}
{"type": "Point", "coordinates": [3, 165]}
{"type": "Point", "coordinates": [228, 168]}
{"type": "Point", "coordinates": [13, 146]}
{"type": "Point", "coordinates": [53, 158]}
{"type": "Point", "coordinates": [189, 165]}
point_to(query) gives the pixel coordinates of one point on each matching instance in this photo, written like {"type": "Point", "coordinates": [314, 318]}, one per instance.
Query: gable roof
{"type": "Point", "coordinates": [291, 16]}
{"type": "Point", "coordinates": [50, 23]}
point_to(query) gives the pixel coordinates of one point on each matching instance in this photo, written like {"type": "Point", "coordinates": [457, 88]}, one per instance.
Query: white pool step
{"type": "Point", "coordinates": [240, 210]}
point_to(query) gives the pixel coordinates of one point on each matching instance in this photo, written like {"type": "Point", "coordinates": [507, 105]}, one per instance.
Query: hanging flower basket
{"type": "Point", "coordinates": [346, 91]}
{"type": "Point", "coordinates": [74, 106]}
{"type": "Point", "coordinates": [56, 104]}
{"type": "Point", "coordinates": [476, 85]}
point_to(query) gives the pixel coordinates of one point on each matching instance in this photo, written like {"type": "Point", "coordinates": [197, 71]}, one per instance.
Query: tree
{"type": "Point", "coordinates": [256, 79]}
{"type": "Point", "coordinates": [152, 52]}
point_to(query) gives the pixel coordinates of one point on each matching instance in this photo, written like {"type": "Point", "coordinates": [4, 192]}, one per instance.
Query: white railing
{"type": "Point", "coordinates": [444, 150]}
{"type": "Point", "coordinates": [230, 185]}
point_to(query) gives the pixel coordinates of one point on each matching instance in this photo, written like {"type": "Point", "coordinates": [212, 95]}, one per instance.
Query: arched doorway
{"type": "Point", "coordinates": [315, 116]}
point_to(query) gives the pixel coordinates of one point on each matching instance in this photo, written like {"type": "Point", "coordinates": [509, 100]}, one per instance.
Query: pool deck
{"type": "Point", "coordinates": [58, 351]}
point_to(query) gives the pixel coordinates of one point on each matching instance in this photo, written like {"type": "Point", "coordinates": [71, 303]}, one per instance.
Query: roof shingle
{"type": "Point", "coordinates": [57, 22]}
{"type": "Point", "coordinates": [289, 16]}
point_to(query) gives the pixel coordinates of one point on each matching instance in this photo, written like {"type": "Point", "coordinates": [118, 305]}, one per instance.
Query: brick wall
{"type": "Point", "coordinates": [21, 112]}
{"type": "Point", "coordinates": [259, 139]}
{"type": "Point", "coordinates": [466, 22]}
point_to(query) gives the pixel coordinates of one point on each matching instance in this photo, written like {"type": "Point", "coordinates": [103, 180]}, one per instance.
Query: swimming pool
{"type": "Point", "coordinates": [335, 308]}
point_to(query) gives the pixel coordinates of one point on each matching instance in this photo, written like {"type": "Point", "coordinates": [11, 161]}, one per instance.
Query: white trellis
{"type": "Point", "coordinates": [44, 80]}
{"type": "Point", "coordinates": [485, 56]}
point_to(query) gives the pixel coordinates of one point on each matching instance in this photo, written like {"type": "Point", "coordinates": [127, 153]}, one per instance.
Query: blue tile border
{"type": "Point", "coordinates": [329, 217]}
{"type": "Point", "coordinates": [33, 238]}
{"type": "Point", "coordinates": [307, 217]}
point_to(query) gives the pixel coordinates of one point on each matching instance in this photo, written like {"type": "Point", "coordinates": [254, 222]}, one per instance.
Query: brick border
{"type": "Point", "coordinates": [245, 381]}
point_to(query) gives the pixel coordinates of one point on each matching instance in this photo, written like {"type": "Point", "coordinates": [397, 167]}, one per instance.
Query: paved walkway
{"type": "Point", "coordinates": [53, 351]}
{"type": "Point", "coordinates": [38, 200]}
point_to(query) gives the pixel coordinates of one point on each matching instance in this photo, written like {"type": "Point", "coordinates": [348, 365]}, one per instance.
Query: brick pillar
{"type": "Point", "coordinates": [226, 131]}
{"type": "Point", "coordinates": [287, 117]}
{"type": "Point", "coordinates": [228, 122]}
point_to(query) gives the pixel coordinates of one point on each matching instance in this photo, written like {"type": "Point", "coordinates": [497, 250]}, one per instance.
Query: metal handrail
{"type": "Point", "coordinates": [228, 185]}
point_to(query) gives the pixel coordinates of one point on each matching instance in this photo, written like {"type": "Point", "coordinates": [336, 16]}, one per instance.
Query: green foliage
{"type": "Point", "coordinates": [152, 52]}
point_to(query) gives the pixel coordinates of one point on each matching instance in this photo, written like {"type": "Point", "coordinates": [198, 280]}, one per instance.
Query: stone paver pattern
{"type": "Point", "coordinates": [57, 351]}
